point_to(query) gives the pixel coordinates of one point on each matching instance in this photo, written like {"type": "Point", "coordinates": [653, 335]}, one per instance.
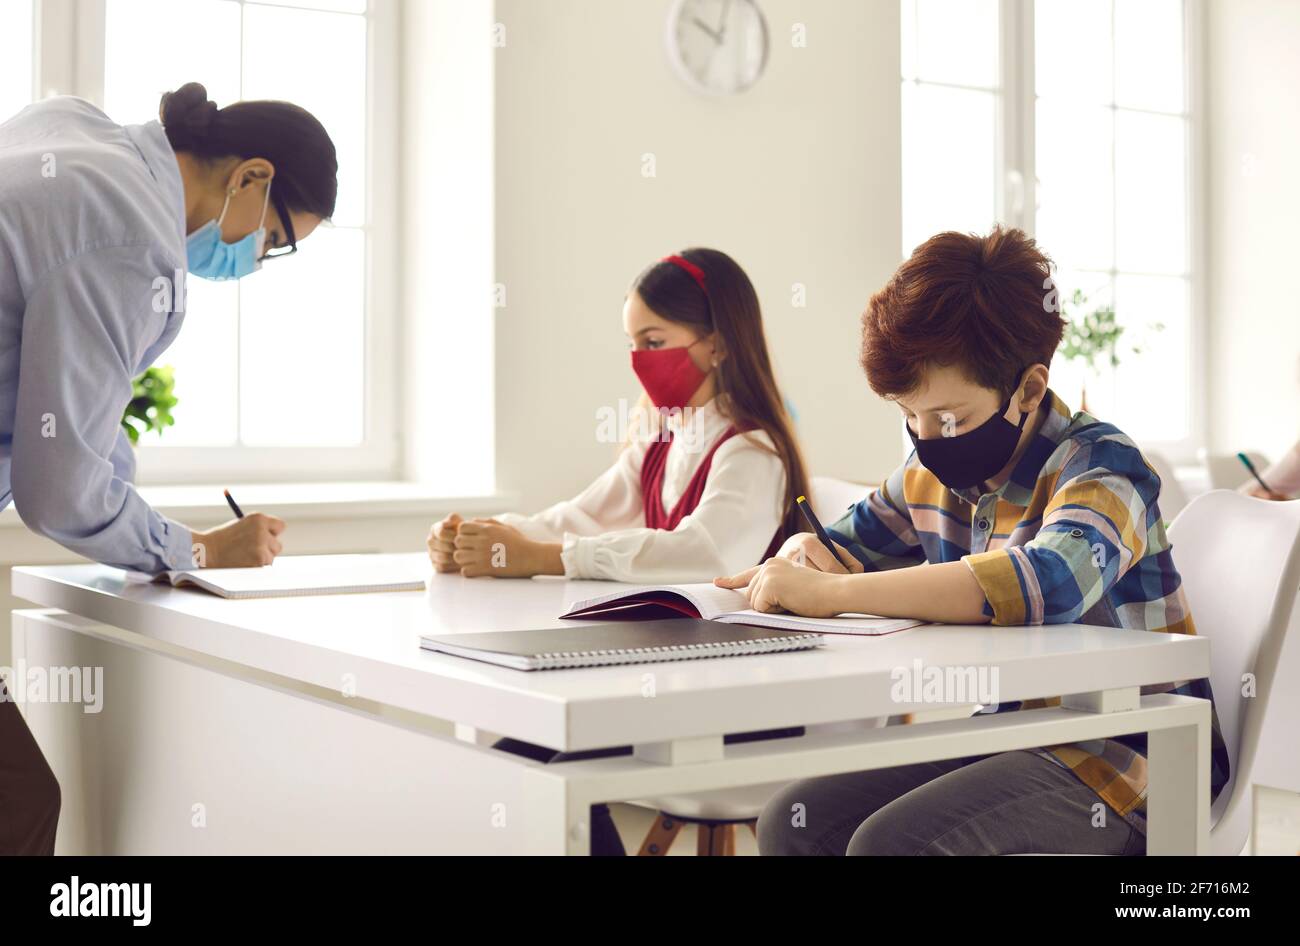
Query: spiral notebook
{"type": "Point", "coordinates": [706, 600]}
{"type": "Point", "coordinates": [598, 645]}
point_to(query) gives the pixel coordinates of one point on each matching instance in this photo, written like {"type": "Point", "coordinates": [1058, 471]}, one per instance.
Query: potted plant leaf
{"type": "Point", "coordinates": [1093, 339]}
{"type": "Point", "coordinates": [150, 407]}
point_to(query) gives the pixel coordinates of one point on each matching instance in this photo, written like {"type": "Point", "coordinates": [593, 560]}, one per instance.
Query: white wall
{"type": "Point", "coordinates": [446, 246]}
{"type": "Point", "coordinates": [798, 179]}
{"type": "Point", "coordinates": [1254, 200]}
{"type": "Point", "coordinates": [1254, 144]}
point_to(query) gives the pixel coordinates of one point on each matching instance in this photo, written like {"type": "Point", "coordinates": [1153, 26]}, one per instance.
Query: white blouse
{"type": "Point", "coordinates": [603, 528]}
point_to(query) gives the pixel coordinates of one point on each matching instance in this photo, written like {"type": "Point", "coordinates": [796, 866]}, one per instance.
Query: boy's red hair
{"type": "Point", "coordinates": [983, 303]}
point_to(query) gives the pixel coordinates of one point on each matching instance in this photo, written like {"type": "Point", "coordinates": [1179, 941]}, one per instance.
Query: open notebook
{"type": "Point", "coordinates": [708, 601]}
{"type": "Point", "coordinates": [304, 575]}
{"type": "Point", "coordinates": [624, 643]}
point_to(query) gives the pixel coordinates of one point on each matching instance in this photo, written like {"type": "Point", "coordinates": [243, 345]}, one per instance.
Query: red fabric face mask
{"type": "Point", "coordinates": [669, 376]}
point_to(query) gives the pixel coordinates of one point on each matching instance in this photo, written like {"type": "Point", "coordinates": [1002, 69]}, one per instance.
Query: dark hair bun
{"type": "Point", "coordinates": [187, 115]}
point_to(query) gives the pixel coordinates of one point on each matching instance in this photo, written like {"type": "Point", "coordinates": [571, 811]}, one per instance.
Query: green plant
{"type": "Point", "coordinates": [151, 403]}
{"type": "Point", "coordinates": [1093, 336]}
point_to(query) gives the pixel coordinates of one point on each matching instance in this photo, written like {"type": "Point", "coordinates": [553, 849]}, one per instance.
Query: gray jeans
{"type": "Point", "coordinates": [1008, 803]}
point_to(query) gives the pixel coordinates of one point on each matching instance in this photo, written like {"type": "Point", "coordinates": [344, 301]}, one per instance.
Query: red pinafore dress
{"type": "Point", "coordinates": [652, 487]}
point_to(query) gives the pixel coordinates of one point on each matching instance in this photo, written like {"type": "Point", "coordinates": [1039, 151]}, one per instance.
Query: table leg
{"type": "Point", "coordinates": [1178, 788]}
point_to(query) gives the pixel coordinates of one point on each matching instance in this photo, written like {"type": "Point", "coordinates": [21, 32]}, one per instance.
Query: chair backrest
{"type": "Point", "coordinates": [1225, 471]}
{"type": "Point", "coordinates": [1240, 563]}
{"type": "Point", "coordinates": [831, 497]}
{"type": "Point", "coordinates": [1173, 497]}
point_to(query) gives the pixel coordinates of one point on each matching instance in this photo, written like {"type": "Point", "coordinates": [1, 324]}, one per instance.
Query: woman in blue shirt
{"type": "Point", "coordinates": [99, 223]}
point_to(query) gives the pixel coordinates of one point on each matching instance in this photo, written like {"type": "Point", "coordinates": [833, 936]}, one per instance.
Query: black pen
{"type": "Point", "coordinates": [802, 503]}
{"type": "Point", "coordinates": [234, 506]}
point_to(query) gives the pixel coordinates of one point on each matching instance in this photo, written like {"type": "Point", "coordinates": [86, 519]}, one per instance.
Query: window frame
{"type": "Point", "coordinates": [70, 60]}
{"type": "Point", "coordinates": [33, 78]}
{"type": "Point", "coordinates": [998, 93]}
{"type": "Point", "coordinates": [1016, 199]}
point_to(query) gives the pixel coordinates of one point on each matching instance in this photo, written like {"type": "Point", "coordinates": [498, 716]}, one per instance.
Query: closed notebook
{"type": "Point", "coordinates": [623, 643]}
{"type": "Point", "coordinates": [708, 601]}
{"type": "Point", "coordinates": [293, 575]}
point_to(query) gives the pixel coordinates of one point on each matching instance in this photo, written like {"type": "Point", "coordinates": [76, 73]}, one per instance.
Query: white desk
{"type": "Point", "coordinates": [318, 724]}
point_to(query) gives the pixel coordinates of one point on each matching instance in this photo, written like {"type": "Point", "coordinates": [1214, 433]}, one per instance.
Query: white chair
{"type": "Point", "coordinates": [1173, 497]}
{"type": "Point", "coordinates": [831, 497]}
{"type": "Point", "coordinates": [1240, 562]}
{"type": "Point", "coordinates": [717, 814]}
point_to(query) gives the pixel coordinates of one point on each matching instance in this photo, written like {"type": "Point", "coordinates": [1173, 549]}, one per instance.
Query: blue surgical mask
{"type": "Point", "coordinates": [211, 257]}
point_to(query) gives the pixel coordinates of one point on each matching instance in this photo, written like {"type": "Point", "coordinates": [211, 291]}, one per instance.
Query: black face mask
{"type": "Point", "coordinates": [973, 457]}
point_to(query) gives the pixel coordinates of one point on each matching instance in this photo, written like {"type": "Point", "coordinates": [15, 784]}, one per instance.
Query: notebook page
{"type": "Point", "coordinates": [712, 601]}
{"type": "Point", "coordinates": [865, 625]}
{"type": "Point", "coordinates": [302, 574]}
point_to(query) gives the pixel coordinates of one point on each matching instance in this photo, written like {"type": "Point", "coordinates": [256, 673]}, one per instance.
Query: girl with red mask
{"type": "Point", "coordinates": [708, 488]}
{"type": "Point", "coordinates": [709, 484]}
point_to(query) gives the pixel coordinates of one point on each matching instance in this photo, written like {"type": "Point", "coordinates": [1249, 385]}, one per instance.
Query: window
{"type": "Point", "coordinates": [17, 67]}
{"type": "Point", "coordinates": [951, 100]}
{"type": "Point", "coordinates": [1093, 102]}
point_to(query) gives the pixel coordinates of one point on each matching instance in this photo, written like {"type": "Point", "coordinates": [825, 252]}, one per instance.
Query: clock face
{"type": "Point", "coordinates": [717, 46]}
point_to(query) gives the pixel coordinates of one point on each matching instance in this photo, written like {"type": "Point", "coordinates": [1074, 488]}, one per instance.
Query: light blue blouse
{"type": "Point", "coordinates": [92, 248]}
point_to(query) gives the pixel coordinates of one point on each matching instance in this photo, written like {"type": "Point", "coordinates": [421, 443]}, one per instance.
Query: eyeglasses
{"type": "Point", "coordinates": [291, 241]}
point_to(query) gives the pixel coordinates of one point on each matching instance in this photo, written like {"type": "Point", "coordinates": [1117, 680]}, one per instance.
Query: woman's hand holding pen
{"type": "Point", "coordinates": [1259, 489]}
{"type": "Point", "coordinates": [1251, 488]}
{"type": "Point", "coordinates": [240, 543]}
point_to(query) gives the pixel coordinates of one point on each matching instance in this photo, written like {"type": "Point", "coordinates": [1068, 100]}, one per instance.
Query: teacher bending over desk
{"type": "Point", "coordinates": [99, 223]}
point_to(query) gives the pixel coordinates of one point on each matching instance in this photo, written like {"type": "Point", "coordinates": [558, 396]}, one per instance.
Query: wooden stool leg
{"type": "Point", "coordinates": [660, 837]}
{"type": "Point", "coordinates": [715, 840]}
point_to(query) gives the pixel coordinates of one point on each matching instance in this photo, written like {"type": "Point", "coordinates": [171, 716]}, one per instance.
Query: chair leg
{"type": "Point", "coordinates": [715, 840]}
{"type": "Point", "coordinates": [711, 840]}
{"type": "Point", "coordinates": [703, 839]}
{"type": "Point", "coordinates": [660, 837]}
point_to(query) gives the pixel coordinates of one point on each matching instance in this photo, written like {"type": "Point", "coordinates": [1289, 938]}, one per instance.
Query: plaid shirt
{"type": "Point", "coordinates": [1073, 536]}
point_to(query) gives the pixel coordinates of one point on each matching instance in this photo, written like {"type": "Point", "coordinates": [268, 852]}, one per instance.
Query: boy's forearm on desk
{"type": "Point", "coordinates": [945, 592]}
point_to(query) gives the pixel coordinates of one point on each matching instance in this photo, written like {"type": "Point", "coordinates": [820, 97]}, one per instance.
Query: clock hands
{"type": "Point", "coordinates": [721, 30]}
{"type": "Point", "coordinates": [717, 36]}
{"type": "Point", "coordinates": [722, 20]}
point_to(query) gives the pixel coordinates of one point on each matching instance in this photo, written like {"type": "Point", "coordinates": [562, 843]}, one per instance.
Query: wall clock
{"type": "Point", "coordinates": [718, 47]}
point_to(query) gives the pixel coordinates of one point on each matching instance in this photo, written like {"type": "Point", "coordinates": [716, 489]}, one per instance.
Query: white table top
{"type": "Point", "coordinates": [371, 643]}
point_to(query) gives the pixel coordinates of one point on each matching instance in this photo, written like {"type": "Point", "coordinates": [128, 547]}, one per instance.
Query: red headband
{"type": "Point", "coordinates": [694, 271]}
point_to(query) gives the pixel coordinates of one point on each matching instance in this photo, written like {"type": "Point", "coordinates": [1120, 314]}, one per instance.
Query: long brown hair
{"type": "Point", "coordinates": [747, 390]}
